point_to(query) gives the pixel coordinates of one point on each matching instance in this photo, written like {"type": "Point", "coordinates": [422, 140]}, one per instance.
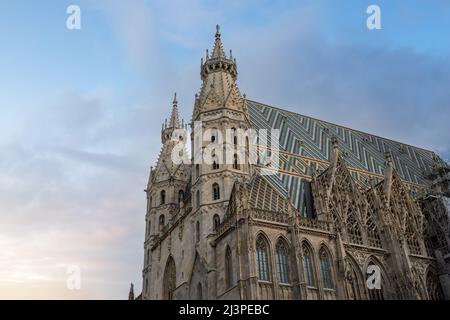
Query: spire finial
{"type": "Point", "coordinates": [218, 49]}
{"type": "Point", "coordinates": [175, 99]}
{"type": "Point", "coordinates": [217, 30]}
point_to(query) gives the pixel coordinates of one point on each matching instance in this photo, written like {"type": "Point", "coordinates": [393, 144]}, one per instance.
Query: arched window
{"type": "Point", "coordinates": [234, 135]}
{"type": "Point", "coordinates": [146, 285]}
{"type": "Point", "coordinates": [325, 269]}
{"type": "Point", "coordinates": [169, 280]}
{"type": "Point", "coordinates": [216, 221]}
{"type": "Point", "coordinates": [308, 268]}
{"type": "Point", "coordinates": [235, 162]}
{"type": "Point", "coordinates": [228, 267]}
{"type": "Point", "coordinates": [262, 259]}
{"type": "Point", "coordinates": [163, 197]}
{"type": "Point", "coordinates": [197, 198]}
{"type": "Point", "coordinates": [282, 251]}
{"type": "Point", "coordinates": [197, 170]}
{"type": "Point", "coordinates": [197, 232]}
{"type": "Point", "coordinates": [352, 282]}
{"type": "Point", "coordinates": [216, 191]}
{"type": "Point", "coordinates": [199, 291]}
{"type": "Point", "coordinates": [215, 164]}
{"type": "Point", "coordinates": [149, 227]}
{"type": "Point", "coordinates": [374, 293]}
{"type": "Point", "coordinates": [213, 135]}
{"type": "Point", "coordinates": [180, 197]}
{"type": "Point", "coordinates": [161, 222]}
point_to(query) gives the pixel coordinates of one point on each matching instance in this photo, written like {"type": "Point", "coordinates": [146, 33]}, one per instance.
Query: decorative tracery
{"type": "Point", "coordinates": [262, 259]}
{"type": "Point", "coordinates": [282, 255]}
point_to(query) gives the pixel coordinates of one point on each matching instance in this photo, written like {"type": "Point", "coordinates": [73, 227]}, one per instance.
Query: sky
{"type": "Point", "coordinates": [81, 110]}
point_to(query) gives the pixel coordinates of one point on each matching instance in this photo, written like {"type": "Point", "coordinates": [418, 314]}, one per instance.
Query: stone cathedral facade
{"type": "Point", "coordinates": [342, 207]}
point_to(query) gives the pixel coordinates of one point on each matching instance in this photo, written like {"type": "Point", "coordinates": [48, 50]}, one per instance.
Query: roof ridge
{"type": "Point", "coordinates": [341, 126]}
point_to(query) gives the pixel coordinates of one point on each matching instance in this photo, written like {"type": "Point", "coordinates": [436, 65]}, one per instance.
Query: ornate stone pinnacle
{"type": "Point", "coordinates": [217, 31]}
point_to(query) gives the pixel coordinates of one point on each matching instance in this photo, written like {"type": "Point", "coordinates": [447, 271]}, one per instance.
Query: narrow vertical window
{"type": "Point", "coordinates": [216, 191]}
{"type": "Point", "coordinates": [197, 196]}
{"type": "Point", "coordinates": [308, 265]}
{"type": "Point", "coordinates": [163, 197]}
{"type": "Point", "coordinates": [262, 259]}
{"type": "Point", "coordinates": [197, 232]}
{"type": "Point", "coordinates": [180, 197]}
{"type": "Point", "coordinates": [282, 261]}
{"type": "Point", "coordinates": [161, 222]}
{"type": "Point", "coordinates": [325, 269]}
{"type": "Point", "coordinates": [216, 221]}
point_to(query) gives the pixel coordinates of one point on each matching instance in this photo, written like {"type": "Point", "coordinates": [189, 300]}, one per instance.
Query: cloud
{"type": "Point", "coordinates": [72, 174]}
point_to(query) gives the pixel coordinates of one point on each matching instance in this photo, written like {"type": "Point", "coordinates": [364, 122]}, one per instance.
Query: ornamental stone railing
{"type": "Point", "coordinates": [225, 225]}
{"type": "Point", "coordinates": [311, 223]}
{"type": "Point", "coordinates": [273, 216]}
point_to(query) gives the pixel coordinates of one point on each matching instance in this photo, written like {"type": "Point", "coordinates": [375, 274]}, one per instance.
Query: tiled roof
{"type": "Point", "coordinates": [305, 145]}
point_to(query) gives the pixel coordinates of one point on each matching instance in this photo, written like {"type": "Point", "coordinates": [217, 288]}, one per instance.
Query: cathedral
{"type": "Point", "coordinates": [344, 215]}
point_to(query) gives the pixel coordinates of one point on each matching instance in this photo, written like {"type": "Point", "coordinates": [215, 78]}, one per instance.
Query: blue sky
{"type": "Point", "coordinates": [81, 110]}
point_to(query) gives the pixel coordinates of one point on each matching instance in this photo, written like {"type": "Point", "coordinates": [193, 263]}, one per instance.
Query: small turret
{"type": "Point", "coordinates": [131, 293]}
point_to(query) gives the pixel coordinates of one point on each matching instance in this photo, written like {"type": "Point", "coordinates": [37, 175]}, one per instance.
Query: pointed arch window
{"type": "Point", "coordinates": [282, 253]}
{"type": "Point", "coordinates": [228, 267]}
{"type": "Point", "coordinates": [325, 269]}
{"type": "Point", "coordinates": [215, 164]}
{"type": "Point", "coordinates": [197, 170]}
{"type": "Point", "coordinates": [308, 268]}
{"type": "Point", "coordinates": [235, 162]}
{"type": "Point", "coordinates": [262, 259]}
{"type": "Point", "coordinates": [169, 280]}
{"type": "Point", "coordinates": [197, 198]}
{"type": "Point", "coordinates": [216, 191]}
{"type": "Point", "coordinates": [197, 232]}
{"type": "Point", "coordinates": [161, 222]}
{"type": "Point", "coordinates": [180, 197]}
{"type": "Point", "coordinates": [149, 227]}
{"type": "Point", "coordinates": [216, 221]}
{"type": "Point", "coordinates": [163, 197]}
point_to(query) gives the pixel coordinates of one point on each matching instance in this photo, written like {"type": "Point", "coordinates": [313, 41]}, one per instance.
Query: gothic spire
{"type": "Point", "coordinates": [217, 61]}
{"type": "Point", "coordinates": [174, 117]}
{"type": "Point", "coordinates": [131, 293]}
{"type": "Point", "coordinates": [218, 51]}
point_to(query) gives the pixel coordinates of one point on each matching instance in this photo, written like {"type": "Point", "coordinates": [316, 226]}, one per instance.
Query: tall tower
{"type": "Point", "coordinates": [221, 113]}
{"type": "Point", "coordinates": [165, 191]}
